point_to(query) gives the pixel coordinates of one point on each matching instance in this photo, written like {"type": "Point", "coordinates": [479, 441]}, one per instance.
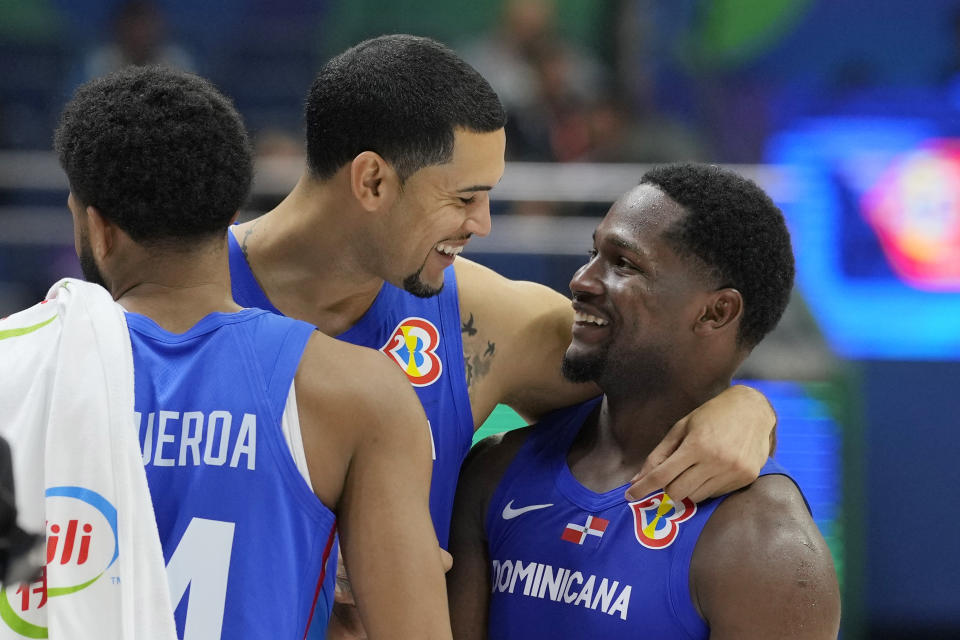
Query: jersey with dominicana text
{"type": "Point", "coordinates": [566, 561]}
{"type": "Point", "coordinates": [422, 336]}
{"type": "Point", "coordinates": [244, 537]}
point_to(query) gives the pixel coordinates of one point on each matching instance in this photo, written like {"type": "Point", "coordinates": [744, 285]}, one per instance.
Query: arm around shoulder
{"type": "Point", "coordinates": [514, 336]}
{"type": "Point", "coordinates": [762, 570]}
{"type": "Point", "coordinates": [717, 448]}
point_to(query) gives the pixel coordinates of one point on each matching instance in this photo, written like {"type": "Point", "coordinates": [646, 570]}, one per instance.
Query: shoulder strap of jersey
{"type": "Point", "coordinates": [288, 360]}
{"type": "Point", "coordinates": [544, 450]}
{"type": "Point", "coordinates": [276, 343]}
{"type": "Point", "coordinates": [245, 288]}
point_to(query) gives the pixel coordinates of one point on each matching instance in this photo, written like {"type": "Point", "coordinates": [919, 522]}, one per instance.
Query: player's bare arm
{"type": "Point", "coordinates": [368, 451]}
{"type": "Point", "coordinates": [468, 582]}
{"type": "Point", "coordinates": [762, 570]}
{"type": "Point", "coordinates": [514, 337]}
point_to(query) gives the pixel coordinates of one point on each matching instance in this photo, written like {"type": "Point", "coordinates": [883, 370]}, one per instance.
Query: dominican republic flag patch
{"type": "Point", "coordinates": [580, 533]}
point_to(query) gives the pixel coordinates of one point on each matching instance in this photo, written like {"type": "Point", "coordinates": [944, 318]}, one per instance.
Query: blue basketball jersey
{"type": "Point", "coordinates": [244, 537]}
{"type": "Point", "coordinates": [567, 561]}
{"type": "Point", "coordinates": [422, 336]}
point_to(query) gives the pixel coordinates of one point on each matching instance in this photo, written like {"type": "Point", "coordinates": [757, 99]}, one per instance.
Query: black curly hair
{"type": "Point", "coordinates": [161, 153]}
{"type": "Point", "coordinates": [737, 233]}
{"type": "Point", "coordinates": [400, 96]}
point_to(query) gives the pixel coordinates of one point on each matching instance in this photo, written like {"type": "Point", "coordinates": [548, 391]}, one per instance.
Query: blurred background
{"type": "Point", "coordinates": [846, 111]}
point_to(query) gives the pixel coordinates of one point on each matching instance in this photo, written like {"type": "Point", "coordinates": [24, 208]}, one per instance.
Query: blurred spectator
{"type": "Point", "coordinates": [560, 99]}
{"type": "Point", "coordinates": [544, 81]}
{"type": "Point", "coordinates": [555, 126]}
{"type": "Point", "coordinates": [139, 38]}
{"type": "Point", "coordinates": [619, 133]}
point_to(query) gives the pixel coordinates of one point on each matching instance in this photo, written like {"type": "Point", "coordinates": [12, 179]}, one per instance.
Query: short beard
{"type": "Point", "coordinates": [413, 284]}
{"type": "Point", "coordinates": [641, 374]}
{"type": "Point", "coordinates": [584, 368]}
{"type": "Point", "coordinates": [88, 266]}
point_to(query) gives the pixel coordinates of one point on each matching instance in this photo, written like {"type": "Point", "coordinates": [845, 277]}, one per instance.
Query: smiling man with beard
{"type": "Point", "coordinates": [404, 143]}
{"type": "Point", "coordinates": [688, 272]}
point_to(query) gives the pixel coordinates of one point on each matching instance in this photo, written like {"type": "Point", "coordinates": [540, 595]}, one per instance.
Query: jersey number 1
{"type": "Point", "coordinates": [202, 562]}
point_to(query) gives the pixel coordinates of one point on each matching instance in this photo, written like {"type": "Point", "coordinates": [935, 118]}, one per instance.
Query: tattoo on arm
{"type": "Point", "coordinates": [246, 237]}
{"type": "Point", "coordinates": [477, 357]}
{"type": "Point", "coordinates": [477, 366]}
{"type": "Point", "coordinates": [468, 327]}
{"type": "Point", "coordinates": [468, 368]}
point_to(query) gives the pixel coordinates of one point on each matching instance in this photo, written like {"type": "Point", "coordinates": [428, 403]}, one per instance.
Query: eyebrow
{"type": "Point", "coordinates": [629, 246]}
{"type": "Point", "coordinates": [476, 187]}
{"type": "Point", "coordinates": [617, 241]}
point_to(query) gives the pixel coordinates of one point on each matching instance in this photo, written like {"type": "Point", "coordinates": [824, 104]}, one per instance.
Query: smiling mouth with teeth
{"type": "Point", "coordinates": [586, 317]}
{"type": "Point", "coordinates": [449, 250]}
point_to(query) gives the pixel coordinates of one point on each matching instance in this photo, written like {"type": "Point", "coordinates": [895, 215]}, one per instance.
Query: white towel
{"type": "Point", "coordinates": [66, 407]}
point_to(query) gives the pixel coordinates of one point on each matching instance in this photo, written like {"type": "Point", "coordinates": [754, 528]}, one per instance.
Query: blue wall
{"type": "Point", "coordinates": [912, 472]}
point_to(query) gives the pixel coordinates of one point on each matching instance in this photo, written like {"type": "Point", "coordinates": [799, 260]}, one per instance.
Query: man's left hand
{"type": "Point", "coordinates": [718, 448]}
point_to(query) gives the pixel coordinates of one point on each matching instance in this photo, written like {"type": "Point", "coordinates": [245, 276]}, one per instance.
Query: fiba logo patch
{"type": "Point", "coordinates": [82, 544]}
{"type": "Point", "coordinates": [656, 519]}
{"type": "Point", "coordinates": [413, 345]}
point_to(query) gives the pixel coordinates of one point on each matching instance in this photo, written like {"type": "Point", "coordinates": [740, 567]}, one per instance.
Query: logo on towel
{"type": "Point", "coordinates": [657, 519]}
{"type": "Point", "coordinates": [82, 544]}
{"type": "Point", "coordinates": [413, 346]}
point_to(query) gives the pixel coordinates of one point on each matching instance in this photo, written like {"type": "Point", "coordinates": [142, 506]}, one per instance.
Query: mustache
{"type": "Point", "coordinates": [458, 239]}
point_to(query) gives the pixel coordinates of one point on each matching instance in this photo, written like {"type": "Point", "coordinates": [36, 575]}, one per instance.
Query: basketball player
{"type": "Point", "coordinates": [688, 272]}
{"type": "Point", "coordinates": [404, 143]}
{"type": "Point", "coordinates": [258, 432]}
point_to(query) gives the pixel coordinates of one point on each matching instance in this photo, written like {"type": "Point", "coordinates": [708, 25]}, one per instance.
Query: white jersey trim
{"type": "Point", "coordinates": [290, 425]}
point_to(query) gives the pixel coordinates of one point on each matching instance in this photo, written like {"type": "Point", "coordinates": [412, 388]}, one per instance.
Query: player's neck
{"type": "Point", "coordinates": [301, 254]}
{"type": "Point", "coordinates": [611, 448]}
{"type": "Point", "coordinates": [638, 422]}
{"type": "Point", "coordinates": [176, 290]}
{"type": "Point", "coordinates": [636, 426]}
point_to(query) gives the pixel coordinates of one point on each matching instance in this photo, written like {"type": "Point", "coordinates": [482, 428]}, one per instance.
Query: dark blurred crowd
{"type": "Point", "coordinates": [627, 81]}
{"type": "Point", "coordinates": [643, 81]}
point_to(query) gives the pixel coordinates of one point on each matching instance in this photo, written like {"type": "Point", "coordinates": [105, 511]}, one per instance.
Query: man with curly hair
{"type": "Point", "coordinates": [688, 272]}
{"type": "Point", "coordinates": [259, 434]}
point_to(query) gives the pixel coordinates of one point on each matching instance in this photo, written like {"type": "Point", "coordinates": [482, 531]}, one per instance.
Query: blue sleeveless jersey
{"type": "Point", "coordinates": [422, 336]}
{"type": "Point", "coordinates": [567, 561]}
{"type": "Point", "coordinates": [244, 537]}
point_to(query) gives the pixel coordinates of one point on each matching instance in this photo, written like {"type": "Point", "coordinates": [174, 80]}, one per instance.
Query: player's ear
{"type": "Point", "coordinates": [374, 182]}
{"type": "Point", "coordinates": [102, 233]}
{"type": "Point", "coordinates": [722, 311]}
